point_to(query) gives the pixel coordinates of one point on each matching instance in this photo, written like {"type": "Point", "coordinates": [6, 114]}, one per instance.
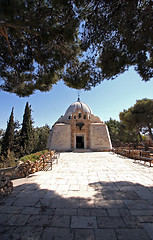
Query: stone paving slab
{"type": "Point", "coordinates": [110, 222]}
{"type": "Point", "coordinates": [138, 204]}
{"type": "Point", "coordinates": [149, 229]}
{"type": "Point", "coordinates": [6, 232]}
{"type": "Point", "coordinates": [58, 234]}
{"type": "Point", "coordinates": [132, 234]}
{"type": "Point", "coordinates": [83, 222]}
{"type": "Point", "coordinates": [60, 221]}
{"type": "Point", "coordinates": [84, 234]}
{"type": "Point", "coordinates": [27, 233]}
{"type": "Point", "coordinates": [28, 202]}
{"type": "Point", "coordinates": [18, 220]}
{"type": "Point", "coordinates": [106, 234]}
{"type": "Point", "coordinates": [87, 196]}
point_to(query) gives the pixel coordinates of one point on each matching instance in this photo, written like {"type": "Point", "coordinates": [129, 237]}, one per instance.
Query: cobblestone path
{"type": "Point", "coordinates": [87, 196]}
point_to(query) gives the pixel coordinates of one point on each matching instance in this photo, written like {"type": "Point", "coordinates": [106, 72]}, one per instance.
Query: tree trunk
{"type": "Point", "coordinates": [139, 135]}
{"type": "Point", "coordinates": [150, 132]}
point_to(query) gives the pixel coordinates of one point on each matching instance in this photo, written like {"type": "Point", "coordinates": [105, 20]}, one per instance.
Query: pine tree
{"type": "Point", "coordinates": [8, 139]}
{"type": "Point", "coordinates": [7, 154]}
{"type": "Point", "coordinates": [139, 116]}
{"type": "Point", "coordinates": [26, 135]}
{"type": "Point", "coordinates": [17, 131]}
{"type": "Point", "coordinates": [80, 42]}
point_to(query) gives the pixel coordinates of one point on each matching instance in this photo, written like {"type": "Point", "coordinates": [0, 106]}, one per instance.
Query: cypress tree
{"type": "Point", "coordinates": [26, 135]}
{"type": "Point", "coordinates": [8, 139]}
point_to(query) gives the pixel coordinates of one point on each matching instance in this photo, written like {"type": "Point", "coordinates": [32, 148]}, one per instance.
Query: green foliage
{"type": "Point", "coordinates": [1, 138]}
{"type": "Point", "coordinates": [16, 142]}
{"type": "Point", "coordinates": [26, 135]}
{"type": "Point", "coordinates": [8, 139]}
{"type": "Point", "coordinates": [7, 159]}
{"type": "Point", "coordinates": [140, 116]}
{"type": "Point", "coordinates": [37, 40]}
{"type": "Point", "coordinates": [114, 130]}
{"type": "Point", "coordinates": [120, 32]}
{"type": "Point", "coordinates": [17, 139]}
{"type": "Point", "coordinates": [119, 134]}
{"type": "Point", "coordinates": [81, 42]}
{"type": "Point", "coordinates": [41, 135]}
{"type": "Point", "coordinates": [34, 156]}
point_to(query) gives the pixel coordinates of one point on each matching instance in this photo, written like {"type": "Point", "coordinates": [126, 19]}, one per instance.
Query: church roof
{"type": "Point", "coordinates": [76, 106]}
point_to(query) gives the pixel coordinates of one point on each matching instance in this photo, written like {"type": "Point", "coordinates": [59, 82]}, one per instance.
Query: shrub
{"type": "Point", "coordinates": [34, 156]}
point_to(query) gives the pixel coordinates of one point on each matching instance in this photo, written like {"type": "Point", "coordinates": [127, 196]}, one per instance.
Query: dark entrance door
{"type": "Point", "coordinates": [79, 141]}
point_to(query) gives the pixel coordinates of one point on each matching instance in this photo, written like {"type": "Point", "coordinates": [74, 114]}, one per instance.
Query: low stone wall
{"type": "Point", "coordinates": [6, 186]}
{"type": "Point", "coordinates": [8, 172]}
{"type": "Point", "coordinates": [22, 170]}
{"type": "Point", "coordinates": [29, 167]}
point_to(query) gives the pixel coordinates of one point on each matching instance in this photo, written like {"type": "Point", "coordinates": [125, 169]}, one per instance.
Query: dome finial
{"type": "Point", "coordinates": [78, 95]}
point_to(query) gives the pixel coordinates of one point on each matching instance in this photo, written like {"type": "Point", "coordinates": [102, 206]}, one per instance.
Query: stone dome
{"type": "Point", "coordinates": [76, 106]}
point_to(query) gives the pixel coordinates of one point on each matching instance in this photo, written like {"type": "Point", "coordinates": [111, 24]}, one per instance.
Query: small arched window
{"type": "Point", "coordinates": [84, 116]}
{"type": "Point", "coordinates": [69, 117]}
{"type": "Point", "coordinates": [74, 116]}
{"type": "Point", "coordinates": [79, 116]}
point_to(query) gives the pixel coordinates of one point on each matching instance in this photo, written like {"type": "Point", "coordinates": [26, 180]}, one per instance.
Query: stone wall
{"type": "Point", "coordinates": [6, 186]}
{"type": "Point", "coordinates": [99, 136]}
{"type": "Point", "coordinates": [8, 172]}
{"type": "Point", "coordinates": [61, 137]}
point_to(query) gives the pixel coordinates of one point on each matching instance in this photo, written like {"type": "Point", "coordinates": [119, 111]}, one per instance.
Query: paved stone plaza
{"type": "Point", "coordinates": [87, 196]}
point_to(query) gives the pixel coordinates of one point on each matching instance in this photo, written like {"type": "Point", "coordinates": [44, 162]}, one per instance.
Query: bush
{"type": "Point", "coordinates": [34, 156]}
{"type": "Point", "coordinates": [7, 160]}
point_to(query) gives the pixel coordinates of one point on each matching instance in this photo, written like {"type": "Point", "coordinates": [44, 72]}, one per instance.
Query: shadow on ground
{"type": "Point", "coordinates": [116, 211]}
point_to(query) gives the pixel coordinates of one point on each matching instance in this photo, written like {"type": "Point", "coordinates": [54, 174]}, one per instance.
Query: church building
{"type": "Point", "coordinates": [79, 129]}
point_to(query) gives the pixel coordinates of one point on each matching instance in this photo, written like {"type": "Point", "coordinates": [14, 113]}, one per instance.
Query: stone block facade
{"type": "Point", "coordinates": [79, 128]}
{"type": "Point", "coordinates": [99, 136]}
{"type": "Point", "coordinates": [61, 137]}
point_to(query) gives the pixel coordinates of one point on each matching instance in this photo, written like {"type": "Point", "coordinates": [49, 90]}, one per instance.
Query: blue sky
{"type": "Point", "coordinates": [106, 100]}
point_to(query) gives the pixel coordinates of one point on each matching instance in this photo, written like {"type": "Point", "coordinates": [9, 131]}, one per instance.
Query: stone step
{"type": "Point", "coordinates": [81, 150]}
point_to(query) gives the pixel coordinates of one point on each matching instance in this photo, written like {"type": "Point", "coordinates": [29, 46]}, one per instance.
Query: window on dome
{"type": "Point", "coordinates": [79, 116]}
{"type": "Point", "coordinates": [69, 117]}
